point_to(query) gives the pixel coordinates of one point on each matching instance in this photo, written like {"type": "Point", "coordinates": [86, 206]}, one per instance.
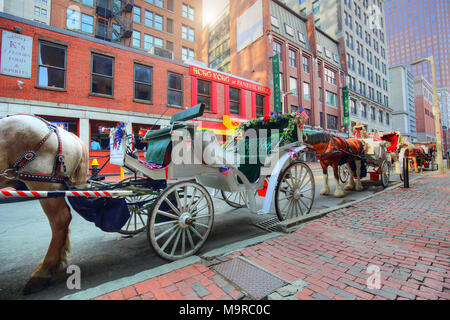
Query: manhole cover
{"type": "Point", "coordinates": [269, 225]}
{"type": "Point", "coordinates": [249, 278]}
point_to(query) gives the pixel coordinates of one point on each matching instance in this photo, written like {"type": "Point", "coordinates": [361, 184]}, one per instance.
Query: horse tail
{"type": "Point", "coordinates": [81, 171]}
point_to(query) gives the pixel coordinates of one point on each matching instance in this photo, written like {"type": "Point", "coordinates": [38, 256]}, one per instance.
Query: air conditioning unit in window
{"type": "Point", "coordinates": [161, 52]}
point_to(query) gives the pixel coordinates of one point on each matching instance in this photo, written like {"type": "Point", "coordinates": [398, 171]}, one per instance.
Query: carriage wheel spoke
{"type": "Point", "coordinates": [196, 232]}
{"type": "Point", "coordinates": [177, 239]}
{"type": "Point", "coordinates": [165, 232]}
{"type": "Point", "coordinates": [168, 215]}
{"type": "Point", "coordinates": [169, 240]}
{"type": "Point", "coordinates": [162, 224]}
{"type": "Point", "coordinates": [172, 206]}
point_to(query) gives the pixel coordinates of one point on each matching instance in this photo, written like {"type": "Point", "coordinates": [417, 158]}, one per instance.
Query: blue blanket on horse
{"type": "Point", "coordinates": [108, 214]}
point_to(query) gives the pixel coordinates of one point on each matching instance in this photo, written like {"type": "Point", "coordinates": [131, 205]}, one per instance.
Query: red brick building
{"type": "Point", "coordinates": [423, 103]}
{"type": "Point", "coordinates": [312, 64]}
{"type": "Point", "coordinates": [86, 84]}
{"type": "Point", "coordinates": [172, 25]}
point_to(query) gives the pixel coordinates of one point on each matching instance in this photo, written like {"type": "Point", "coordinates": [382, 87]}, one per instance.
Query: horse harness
{"type": "Point", "coordinates": [31, 155]}
{"type": "Point", "coordinates": [335, 151]}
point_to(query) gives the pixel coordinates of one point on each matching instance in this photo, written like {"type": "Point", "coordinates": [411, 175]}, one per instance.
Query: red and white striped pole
{"type": "Point", "coordinates": [60, 194]}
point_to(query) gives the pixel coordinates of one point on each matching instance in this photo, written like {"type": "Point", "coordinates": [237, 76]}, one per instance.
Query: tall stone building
{"type": "Point", "coordinates": [401, 95]}
{"type": "Point", "coordinates": [360, 27]}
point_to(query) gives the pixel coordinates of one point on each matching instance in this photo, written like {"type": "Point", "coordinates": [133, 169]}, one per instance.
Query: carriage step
{"type": "Point", "coordinates": [255, 281]}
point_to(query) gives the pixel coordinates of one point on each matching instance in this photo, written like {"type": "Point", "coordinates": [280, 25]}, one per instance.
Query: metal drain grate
{"type": "Point", "coordinates": [249, 278]}
{"type": "Point", "coordinates": [269, 225]}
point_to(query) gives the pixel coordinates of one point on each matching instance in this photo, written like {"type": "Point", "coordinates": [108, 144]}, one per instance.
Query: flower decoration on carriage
{"type": "Point", "coordinates": [118, 133]}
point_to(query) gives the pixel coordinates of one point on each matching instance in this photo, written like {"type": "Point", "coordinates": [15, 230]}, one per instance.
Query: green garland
{"type": "Point", "coordinates": [275, 118]}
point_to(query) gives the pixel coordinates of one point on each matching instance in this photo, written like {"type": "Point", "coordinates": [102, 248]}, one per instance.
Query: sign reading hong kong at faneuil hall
{"type": "Point", "coordinates": [17, 51]}
{"type": "Point", "coordinates": [227, 79]}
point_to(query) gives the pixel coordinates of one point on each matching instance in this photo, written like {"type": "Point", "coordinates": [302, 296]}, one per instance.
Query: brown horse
{"type": "Point", "coordinates": [334, 151]}
{"type": "Point", "coordinates": [31, 147]}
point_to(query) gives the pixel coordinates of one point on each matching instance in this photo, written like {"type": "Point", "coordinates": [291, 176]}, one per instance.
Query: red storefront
{"type": "Point", "coordinates": [232, 98]}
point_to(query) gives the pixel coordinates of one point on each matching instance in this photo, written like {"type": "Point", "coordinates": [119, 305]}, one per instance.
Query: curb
{"type": "Point", "coordinates": [128, 281]}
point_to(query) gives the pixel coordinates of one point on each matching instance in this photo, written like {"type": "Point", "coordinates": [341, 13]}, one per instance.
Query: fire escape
{"type": "Point", "coordinates": [114, 20]}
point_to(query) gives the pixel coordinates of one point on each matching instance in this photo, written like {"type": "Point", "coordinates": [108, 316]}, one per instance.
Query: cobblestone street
{"type": "Point", "coordinates": [403, 233]}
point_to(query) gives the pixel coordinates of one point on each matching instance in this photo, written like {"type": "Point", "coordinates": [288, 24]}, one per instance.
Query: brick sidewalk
{"type": "Point", "coordinates": [404, 233]}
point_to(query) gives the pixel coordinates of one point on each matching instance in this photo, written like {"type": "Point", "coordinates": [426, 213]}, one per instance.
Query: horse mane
{"type": "Point", "coordinates": [319, 137]}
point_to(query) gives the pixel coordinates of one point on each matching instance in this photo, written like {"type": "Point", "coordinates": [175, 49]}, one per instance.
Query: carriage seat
{"type": "Point", "coordinates": [376, 148]}
{"type": "Point", "coordinates": [159, 141]}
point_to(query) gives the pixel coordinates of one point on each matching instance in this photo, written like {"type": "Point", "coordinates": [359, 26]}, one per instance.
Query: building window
{"type": "Point", "coordinates": [151, 41]}
{"type": "Point", "coordinates": [332, 122]}
{"type": "Point", "coordinates": [175, 89]}
{"type": "Point", "coordinates": [292, 58]}
{"type": "Point", "coordinates": [158, 3]}
{"type": "Point", "coordinates": [153, 20]}
{"type": "Point", "coordinates": [136, 39]}
{"type": "Point", "coordinates": [188, 12]}
{"type": "Point", "coordinates": [187, 53]}
{"type": "Point", "coordinates": [372, 114]}
{"type": "Point", "coordinates": [37, 11]}
{"type": "Point", "coordinates": [274, 21]}
{"type": "Point", "coordinates": [100, 134]}
{"type": "Point", "coordinates": [363, 110]}
{"type": "Point", "coordinates": [289, 29]}
{"type": "Point", "coordinates": [52, 65]}
{"type": "Point", "coordinates": [80, 22]}
{"type": "Point", "coordinates": [330, 76]}
{"type": "Point", "coordinates": [277, 50]}
{"type": "Point", "coordinates": [102, 75]}
{"type": "Point", "coordinates": [306, 91]}
{"type": "Point", "coordinates": [187, 33]}
{"type": "Point", "coordinates": [315, 7]}
{"type": "Point", "coordinates": [317, 23]}
{"type": "Point", "coordinates": [293, 85]}
{"type": "Point", "coordinates": [204, 93]}
{"type": "Point", "coordinates": [260, 108]}
{"type": "Point", "coordinates": [169, 45]}
{"type": "Point", "coordinates": [387, 119]}
{"type": "Point", "coordinates": [143, 80]}
{"type": "Point", "coordinates": [235, 101]}
{"type": "Point", "coordinates": [136, 14]}
{"type": "Point", "coordinates": [380, 116]}
{"type": "Point", "coordinates": [305, 63]}
{"type": "Point", "coordinates": [169, 4]}
{"type": "Point", "coordinates": [302, 37]}
{"type": "Point", "coordinates": [320, 94]}
{"type": "Point", "coordinates": [353, 107]}
{"type": "Point", "coordinates": [331, 99]}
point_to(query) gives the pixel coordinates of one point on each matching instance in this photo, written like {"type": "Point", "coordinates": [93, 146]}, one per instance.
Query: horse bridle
{"type": "Point", "coordinates": [30, 155]}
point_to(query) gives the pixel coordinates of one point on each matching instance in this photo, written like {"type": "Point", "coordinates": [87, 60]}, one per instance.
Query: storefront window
{"type": "Point", "coordinates": [139, 132]}
{"type": "Point", "coordinates": [204, 93]}
{"type": "Point", "coordinates": [67, 124]}
{"type": "Point", "coordinates": [259, 105]}
{"type": "Point", "coordinates": [234, 101]}
{"type": "Point", "coordinates": [100, 131]}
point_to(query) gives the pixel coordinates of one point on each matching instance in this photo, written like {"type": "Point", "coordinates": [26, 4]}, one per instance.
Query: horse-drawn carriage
{"type": "Point", "coordinates": [171, 200]}
{"type": "Point", "coordinates": [422, 155]}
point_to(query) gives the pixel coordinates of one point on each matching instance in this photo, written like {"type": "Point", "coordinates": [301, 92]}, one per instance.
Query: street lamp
{"type": "Point", "coordinates": [284, 95]}
{"type": "Point", "coordinates": [436, 113]}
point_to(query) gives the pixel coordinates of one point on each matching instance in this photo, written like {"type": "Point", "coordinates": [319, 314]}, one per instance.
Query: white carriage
{"type": "Point", "coordinates": [171, 198]}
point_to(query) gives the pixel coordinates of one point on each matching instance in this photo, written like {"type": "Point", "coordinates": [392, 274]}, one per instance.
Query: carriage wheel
{"type": "Point", "coordinates": [235, 199]}
{"type": "Point", "coordinates": [181, 220]}
{"type": "Point", "coordinates": [138, 213]}
{"type": "Point", "coordinates": [344, 173]}
{"type": "Point", "coordinates": [385, 174]}
{"type": "Point", "coordinates": [295, 191]}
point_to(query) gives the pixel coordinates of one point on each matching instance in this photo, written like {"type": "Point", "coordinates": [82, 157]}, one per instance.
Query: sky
{"type": "Point", "coordinates": [211, 8]}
